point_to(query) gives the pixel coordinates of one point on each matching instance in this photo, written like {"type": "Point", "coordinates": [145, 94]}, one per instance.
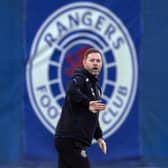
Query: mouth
{"type": "Point", "coordinates": [95, 69]}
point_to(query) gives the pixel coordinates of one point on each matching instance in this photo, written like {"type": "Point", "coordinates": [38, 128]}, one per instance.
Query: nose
{"type": "Point", "coordinates": [95, 64]}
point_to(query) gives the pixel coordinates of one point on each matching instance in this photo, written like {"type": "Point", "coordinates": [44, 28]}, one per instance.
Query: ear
{"type": "Point", "coordinates": [84, 62]}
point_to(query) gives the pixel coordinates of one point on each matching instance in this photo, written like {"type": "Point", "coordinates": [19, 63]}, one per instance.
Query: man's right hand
{"type": "Point", "coordinates": [95, 106]}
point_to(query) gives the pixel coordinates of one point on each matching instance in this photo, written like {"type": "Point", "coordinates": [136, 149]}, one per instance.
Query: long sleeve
{"type": "Point", "coordinates": [98, 133]}
{"type": "Point", "coordinates": [75, 91]}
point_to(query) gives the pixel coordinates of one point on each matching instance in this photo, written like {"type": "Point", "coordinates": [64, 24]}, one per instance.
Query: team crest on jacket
{"type": "Point", "coordinates": [57, 50]}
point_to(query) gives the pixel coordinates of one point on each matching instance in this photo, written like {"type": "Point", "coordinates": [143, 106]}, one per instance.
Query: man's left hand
{"type": "Point", "coordinates": [102, 145]}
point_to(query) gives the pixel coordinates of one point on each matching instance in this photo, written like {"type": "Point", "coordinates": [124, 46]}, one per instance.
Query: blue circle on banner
{"type": "Point", "coordinates": [57, 51]}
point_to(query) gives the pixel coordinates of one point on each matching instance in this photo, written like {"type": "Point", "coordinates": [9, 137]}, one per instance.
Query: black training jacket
{"type": "Point", "coordinates": [76, 120]}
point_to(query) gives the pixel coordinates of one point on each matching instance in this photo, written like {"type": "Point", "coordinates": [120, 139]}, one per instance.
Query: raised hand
{"type": "Point", "coordinates": [96, 105]}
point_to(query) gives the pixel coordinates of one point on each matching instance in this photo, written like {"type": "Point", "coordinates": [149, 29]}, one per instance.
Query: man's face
{"type": "Point", "coordinates": [93, 63]}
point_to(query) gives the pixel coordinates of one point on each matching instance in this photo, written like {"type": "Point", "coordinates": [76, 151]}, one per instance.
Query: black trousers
{"type": "Point", "coordinates": [71, 153]}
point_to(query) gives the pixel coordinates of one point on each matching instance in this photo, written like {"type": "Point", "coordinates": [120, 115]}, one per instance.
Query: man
{"type": "Point", "coordinates": [78, 123]}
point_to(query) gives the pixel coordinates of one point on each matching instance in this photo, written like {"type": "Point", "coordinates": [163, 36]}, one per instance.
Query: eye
{"type": "Point", "coordinates": [92, 60]}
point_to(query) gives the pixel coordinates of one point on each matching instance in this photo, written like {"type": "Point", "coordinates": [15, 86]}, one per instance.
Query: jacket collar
{"type": "Point", "coordinates": [86, 73]}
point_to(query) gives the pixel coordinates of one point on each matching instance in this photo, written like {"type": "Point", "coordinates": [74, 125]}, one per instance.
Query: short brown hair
{"type": "Point", "coordinates": [89, 51]}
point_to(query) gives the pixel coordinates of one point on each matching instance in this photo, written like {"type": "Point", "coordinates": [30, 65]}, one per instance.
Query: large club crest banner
{"type": "Point", "coordinates": [56, 35]}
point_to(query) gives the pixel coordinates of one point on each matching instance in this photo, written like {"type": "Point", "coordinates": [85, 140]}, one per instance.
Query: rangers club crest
{"type": "Point", "coordinates": [57, 50]}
